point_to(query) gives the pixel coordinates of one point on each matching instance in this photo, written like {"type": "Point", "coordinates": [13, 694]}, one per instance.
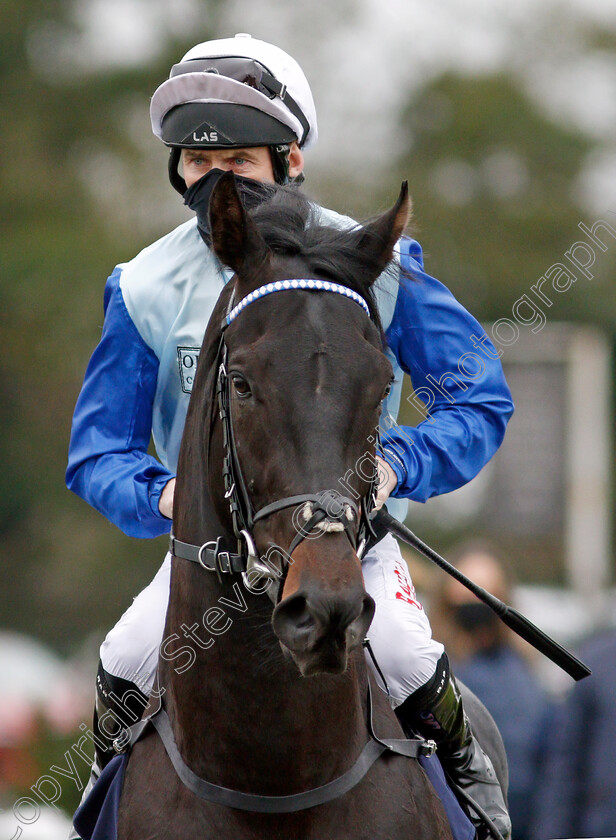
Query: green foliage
{"type": "Point", "coordinates": [493, 179]}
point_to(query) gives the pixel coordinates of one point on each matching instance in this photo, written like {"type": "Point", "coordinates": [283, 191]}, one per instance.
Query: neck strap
{"type": "Point", "coordinates": [292, 803]}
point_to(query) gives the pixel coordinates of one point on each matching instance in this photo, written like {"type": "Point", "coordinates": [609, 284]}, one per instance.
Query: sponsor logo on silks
{"type": "Point", "coordinates": [187, 363]}
{"type": "Point", "coordinates": [205, 137]}
{"type": "Point", "coordinates": [406, 591]}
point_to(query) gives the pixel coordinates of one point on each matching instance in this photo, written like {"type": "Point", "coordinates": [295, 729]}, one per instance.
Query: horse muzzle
{"type": "Point", "coordinates": [319, 630]}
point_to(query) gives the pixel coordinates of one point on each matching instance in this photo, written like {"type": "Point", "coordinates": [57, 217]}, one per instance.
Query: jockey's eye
{"type": "Point", "coordinates": [241, 386]}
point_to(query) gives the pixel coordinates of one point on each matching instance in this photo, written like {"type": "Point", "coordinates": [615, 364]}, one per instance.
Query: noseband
{"type": "Point", "coordinates": [325, 511]}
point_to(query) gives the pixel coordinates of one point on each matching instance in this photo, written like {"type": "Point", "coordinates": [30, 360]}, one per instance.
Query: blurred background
{"type": "Point", "coordinates": [502, 117]}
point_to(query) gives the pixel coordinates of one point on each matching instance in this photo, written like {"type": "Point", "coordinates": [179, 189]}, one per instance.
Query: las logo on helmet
{"type": "Point", "coordinates": [212, 137]}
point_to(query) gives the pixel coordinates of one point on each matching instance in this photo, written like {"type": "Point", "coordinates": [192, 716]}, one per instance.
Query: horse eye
{"type": "Point", "coordinates": [241, 386]}
{"type": "Point", "coordinates": [387, 391]}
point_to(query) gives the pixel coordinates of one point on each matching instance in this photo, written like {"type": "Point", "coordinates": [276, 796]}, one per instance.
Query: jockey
{"type": "Point", "coordinates": [245, 105]}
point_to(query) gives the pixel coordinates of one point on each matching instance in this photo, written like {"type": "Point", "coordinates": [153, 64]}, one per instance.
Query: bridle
{"type": "Point", "coordinates": [326, 510]}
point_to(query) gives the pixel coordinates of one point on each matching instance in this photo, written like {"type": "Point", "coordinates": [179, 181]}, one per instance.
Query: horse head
{"type": "Point", "coordinates": [306, 376]}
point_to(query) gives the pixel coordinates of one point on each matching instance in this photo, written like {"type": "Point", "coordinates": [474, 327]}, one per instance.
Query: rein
{"type": "Point", "coordinates": [327, 508]}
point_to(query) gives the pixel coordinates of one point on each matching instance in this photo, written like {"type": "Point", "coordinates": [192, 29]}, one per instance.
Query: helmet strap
{"type": "Point", "coordinates": [280, 165]}
{"type": "Point", "coordinates": [177, 182]}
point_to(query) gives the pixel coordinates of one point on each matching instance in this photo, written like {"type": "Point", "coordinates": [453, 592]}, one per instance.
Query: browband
{"type": "Point", "coordinates": [303, 285]}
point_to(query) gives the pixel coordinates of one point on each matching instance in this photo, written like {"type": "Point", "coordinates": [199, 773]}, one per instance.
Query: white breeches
{"type": "Point", "coordinates": [400, 634]}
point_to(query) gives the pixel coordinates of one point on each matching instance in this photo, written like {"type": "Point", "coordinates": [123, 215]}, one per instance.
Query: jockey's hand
{"type": "Point", "coordinates": [387, 482]}
{"type": "Point", "coordinates": [165, 503]}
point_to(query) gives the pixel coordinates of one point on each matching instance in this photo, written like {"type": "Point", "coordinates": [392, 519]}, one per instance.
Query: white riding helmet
{"type": "Point", "coordinates": [234, 92]}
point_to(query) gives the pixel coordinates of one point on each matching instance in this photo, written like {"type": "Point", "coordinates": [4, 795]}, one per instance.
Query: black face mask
{"type": "Point", "coordinates": [474, 616]}
{"type": "Point", "coordinates": [197, 197]}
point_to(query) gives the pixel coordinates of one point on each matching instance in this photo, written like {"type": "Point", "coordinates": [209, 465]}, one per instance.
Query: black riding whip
{"type": "Point", "coordinates": [384, 521]}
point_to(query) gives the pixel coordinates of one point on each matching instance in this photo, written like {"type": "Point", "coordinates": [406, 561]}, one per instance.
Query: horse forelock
{"type": "Point", "coordinates": [290, 224]}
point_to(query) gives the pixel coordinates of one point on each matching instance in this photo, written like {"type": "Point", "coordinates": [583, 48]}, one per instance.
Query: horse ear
{"type": "Point", "coordinates": [235, 238]}
{"type": "Point", "coordinates": [377, 238]}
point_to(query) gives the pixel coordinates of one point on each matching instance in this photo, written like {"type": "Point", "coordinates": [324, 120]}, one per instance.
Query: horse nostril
{"type": "Point", "coordinates": [300, 622]}
{"type": "Point", "coordinates": [292, 620]}
{"type": "Point", "coordinates": [294, 607]}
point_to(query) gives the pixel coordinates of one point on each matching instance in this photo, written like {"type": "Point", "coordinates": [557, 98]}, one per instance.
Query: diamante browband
{"type": "Point", "coordinates": [302, 284]}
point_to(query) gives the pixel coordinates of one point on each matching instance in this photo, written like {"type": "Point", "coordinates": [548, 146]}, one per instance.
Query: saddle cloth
{"type": "Point", "coordinates": [97, 817]}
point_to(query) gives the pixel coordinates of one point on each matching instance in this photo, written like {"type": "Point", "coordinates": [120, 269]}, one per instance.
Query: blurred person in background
{"type": "Point", "coordinates": [244, 105]}
{"type": "Point", "coordinates": [487, 660]}
{"type": "Point", "coordinates": [577, 797]}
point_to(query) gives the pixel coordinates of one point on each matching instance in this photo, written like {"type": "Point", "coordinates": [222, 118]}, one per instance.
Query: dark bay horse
{"type": "Point", "coordinates": [262, 700]}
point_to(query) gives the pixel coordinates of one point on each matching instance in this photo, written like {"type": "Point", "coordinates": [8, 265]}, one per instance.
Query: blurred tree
{"type": "Point", "coordinates": [67, 130]}
{"type": "Point", "coordinates": [494, 184]}
{"type": "Point", "coordinates": [493, 180]}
